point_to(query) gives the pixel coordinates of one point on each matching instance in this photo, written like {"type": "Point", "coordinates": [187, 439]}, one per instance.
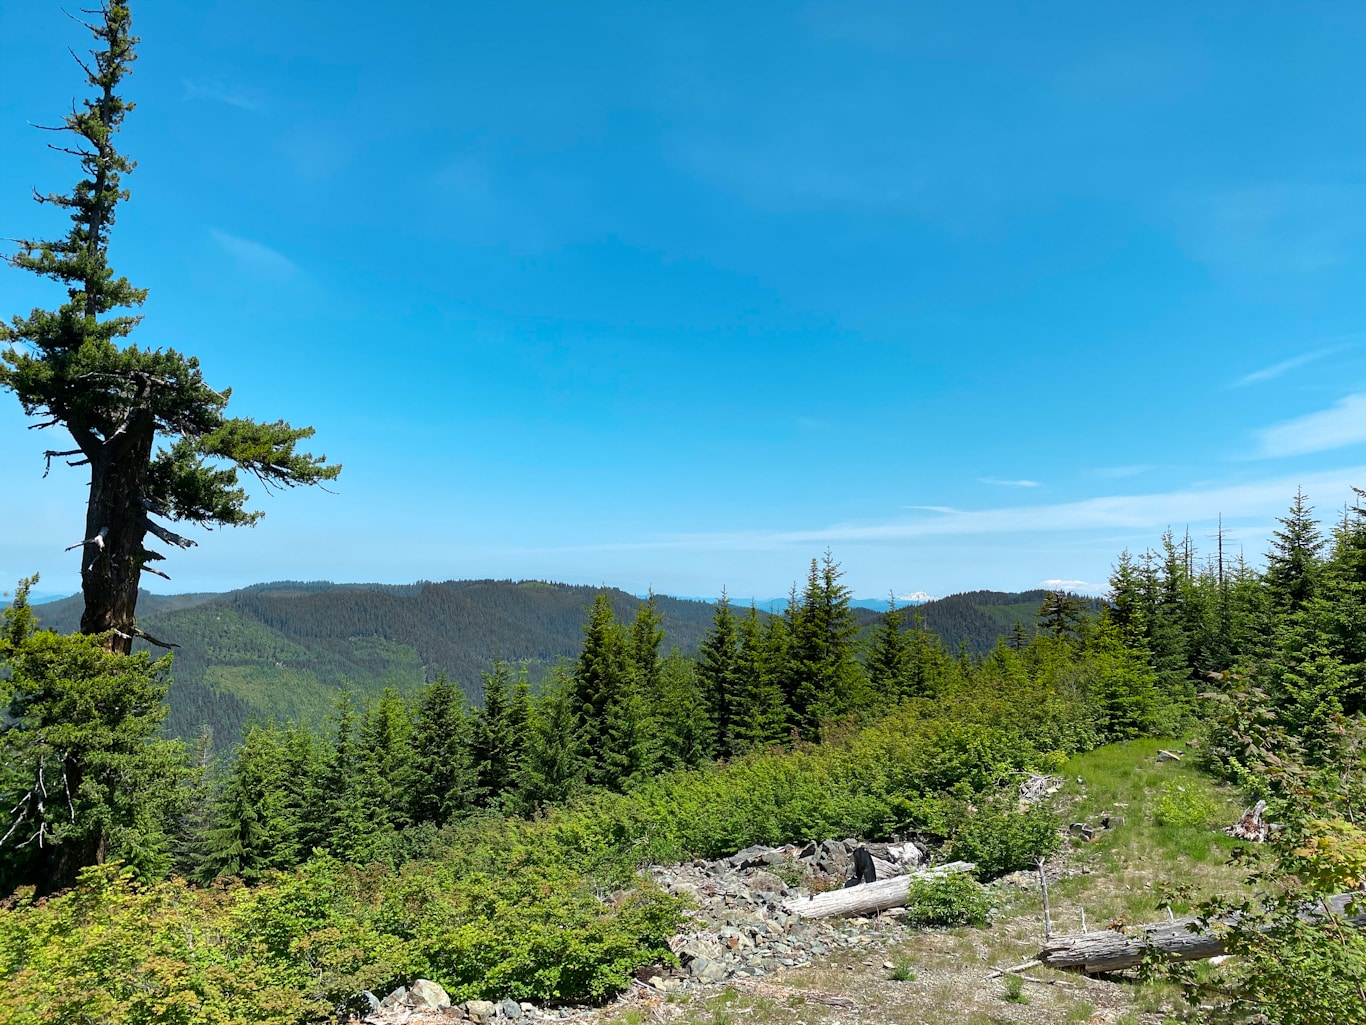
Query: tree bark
{"type": "Point", "coordinates": [1110, 951]}
{"type": "Point", "coordinates": [867, 898]}
{"type": "Point", "coordinates": [112, 569]}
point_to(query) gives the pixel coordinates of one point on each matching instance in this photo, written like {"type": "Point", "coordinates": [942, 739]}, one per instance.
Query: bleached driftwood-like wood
{"type": "Point", "coordinates": [1252, 826]}
{"type": "Point", "coordinates": [1110, 951]}
{"type": "Point", "coordinates": [867, 898]}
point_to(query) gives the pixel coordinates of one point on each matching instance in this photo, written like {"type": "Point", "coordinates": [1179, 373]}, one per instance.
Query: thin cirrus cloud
{"type": "Point", "coordinates": [1339, 426]}
{"type": "Point", "coordinates": [998, 482]}
{"type": "Point", "coordinates": [253, 257]}
{"type": "Point", "coordinates": [1120, 472]}
{"type": "Point", "coordinates": [218, 91]}
{"type": "Point", "coordinates": [1285, 366]}
{"type": "Point", "coordinates": [1262, 499]}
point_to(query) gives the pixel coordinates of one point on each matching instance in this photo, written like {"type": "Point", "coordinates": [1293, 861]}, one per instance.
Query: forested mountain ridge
{"type": "Point", "coordinates": [285, 648]}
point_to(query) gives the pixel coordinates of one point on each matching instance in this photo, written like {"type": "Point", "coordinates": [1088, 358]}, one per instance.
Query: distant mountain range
{"type": "Point", "coordinates": [287, 649]}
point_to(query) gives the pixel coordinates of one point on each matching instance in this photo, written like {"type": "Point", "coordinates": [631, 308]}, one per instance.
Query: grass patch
{"type": "Point", "coordinates": [1169, 838]}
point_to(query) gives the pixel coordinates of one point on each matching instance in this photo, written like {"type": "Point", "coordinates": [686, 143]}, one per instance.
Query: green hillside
{"type": "Point", "coordinates": [285, 649]}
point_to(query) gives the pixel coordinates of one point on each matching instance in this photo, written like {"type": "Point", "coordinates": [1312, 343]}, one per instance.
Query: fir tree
{"type": "Point", "coordinates": [497, 738]}
{"type": "Point", "coordinates": [759, 713]}
{"type": "Point", "coordinates": [827, 678]}
{"type": "Point", "coordinates": [889, 664]}
{"type": "Point", "coordinates": [70, 368]}
{"type": "Point", "coordinates": [253, 830]}
{"type": "Point", "coordinates": [1293, 563]}
{"type": "Point", "coordinates": [555, 762]}
{"type": "Point", "coordinates": [84, 775]}
{"type": "Point", "coordinates": [718, 673]}
{"type": "Point", "coordinates": [686, 737]}
{"type": "Point", "coordinates": [443, 778]}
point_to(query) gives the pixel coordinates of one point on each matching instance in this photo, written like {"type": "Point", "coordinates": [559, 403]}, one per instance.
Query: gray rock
{"type": "Point", "coordinates": [480, 1010]}
{"type": "Point", "coordinates": [511, 1009]}
{"type": "Point", "coordinates": [394, 999]}
{"type": "Point", "coordinates": [714, 972]}
{"type": "Point", "coordinates": [371, 1001]}
{"type": "Point", "coordinates": [761, 881]}
{"type": "Point", "coordinates": [428, 996]}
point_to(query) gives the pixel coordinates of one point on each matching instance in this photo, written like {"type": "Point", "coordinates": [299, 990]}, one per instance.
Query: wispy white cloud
{"type": "Point", "coordinates": [1009, 483]}
{"type": "Point", "coordinates": [254, 257]}
{"type": "Point", "coordinates": [1299, 228]}
{"type": "Point", "coordinates": [218, 91]}
{"type": "Point", "coordinates": [1341, 425]}
{"type": "Point", "coordinates": [1076, 586]}
{"type": "Point", "coordinates": [1120, 472]}
{"type": "Point", "coordinates": [1262, 500]}
{"type": "Point", "coordinates": [1285, 366]}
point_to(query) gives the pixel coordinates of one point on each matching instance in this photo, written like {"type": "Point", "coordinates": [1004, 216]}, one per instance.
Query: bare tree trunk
{"type": "Point", "coordinates": [1110, 951]}
{"type": "Point", "coordinates": [866, 898]}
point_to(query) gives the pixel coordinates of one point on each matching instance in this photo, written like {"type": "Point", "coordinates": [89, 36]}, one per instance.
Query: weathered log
{"type": "Point", "coordinates": [1180, 940]}
{"type": "Point", "coordinates": [867, 898]}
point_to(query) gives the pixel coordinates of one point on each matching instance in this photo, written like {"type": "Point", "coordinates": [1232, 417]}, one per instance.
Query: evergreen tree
{"type": "Point", "coordinates": [686, 737]}
{"type": "Point", "coordinates": [197, 805]}
{"type": "Point", "coordinates": [600, 672]}
{"type": "Point", "coordinates": [382, 787]}
{"type": "Point", "coordinates": [614, 724]}
{"type": "Point", "coordinates": [1123, 686]}
{"type": "Point", "coordinates": [759, 715]}
{"type": "Point", "coordinates": [1293, 563]}
{"type": "Point", "coordinates": [718, 673]}
{"type": "Point", "coordinates": [84, 775]}
{"type": "Point", "coordinates": [497, 737]}
{"type": "Point", "coordinates": [889, 665]}
{"type": "Point", "coordinates": [642, 650]}
{"type": "Point", "coordinates": [443, 780]}
{"type": "Point", "coordinates": [253, 829]}
{"type": "Point", "coordinates": [1061, 615]}
{"type": "Point", "coordinates": [555, 763]}
{"type": "Point", "coordinates": [827, 678]}
{"type": "Point", "coordinates": [68, 368]}
{"type": "Point", "coordinates": [927, 661]}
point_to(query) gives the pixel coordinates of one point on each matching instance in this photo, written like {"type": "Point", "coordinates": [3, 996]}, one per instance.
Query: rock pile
{"type": "Point", "coordinates": [740, 928]}
{"type": "Point", "coordinates": [424, 997]}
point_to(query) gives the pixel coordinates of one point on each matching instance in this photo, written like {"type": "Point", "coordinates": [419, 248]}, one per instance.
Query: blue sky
{"type": "Point", "coordinates": [976, 295]}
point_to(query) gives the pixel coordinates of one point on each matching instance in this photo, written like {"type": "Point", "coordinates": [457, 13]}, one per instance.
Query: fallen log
{"type": "Point", "coordinates": [866, 898]}
{"type": "Point", "coordinates": [1180, 940]}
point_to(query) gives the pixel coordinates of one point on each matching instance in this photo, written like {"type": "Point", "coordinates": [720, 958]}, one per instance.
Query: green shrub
{"type": "Point", "coordinates": [1183, 804]}
{"type": "Point", "coordinates": [1014, 992]}
{"type": "Point", "coordinates": [948, 901]}
{"type": "Point", "coordinates": [998, 842]}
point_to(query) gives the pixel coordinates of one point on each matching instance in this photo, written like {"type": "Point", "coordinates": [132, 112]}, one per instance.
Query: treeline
{"type": "Point", "coordinates": [283, 650]}
{"type": "Point", "coordinates": [1278, 656]}
{"type": "Point", "coordinates": [478, 819]}
{"type": "Point", "coordinates": [397, 842]}
{"type": "Point", "coordinates": [383, 778]}
{"type": "Point", "coordinates": [286, 649]}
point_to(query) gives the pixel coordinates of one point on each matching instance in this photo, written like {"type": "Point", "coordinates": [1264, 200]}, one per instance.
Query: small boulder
{"type": "Point", "coordinates": [426, 995]}
{"type": "Point", "coordinates": [511, 1009]}
{"type": "Point", "coordinates": [480, 1010]}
